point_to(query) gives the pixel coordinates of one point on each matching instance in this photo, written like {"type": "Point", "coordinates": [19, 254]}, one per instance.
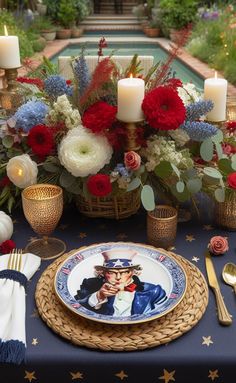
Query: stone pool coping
{"type": "Point", "coordinates": [202, 69]}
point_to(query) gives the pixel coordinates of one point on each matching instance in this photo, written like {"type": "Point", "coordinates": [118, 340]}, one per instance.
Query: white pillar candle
{"type": "Point", "coordinates": [215, 89]}
{"type": "Point", "coordinates": [130, 98]}
{"type": "Point", "coordinates": [9, 51]}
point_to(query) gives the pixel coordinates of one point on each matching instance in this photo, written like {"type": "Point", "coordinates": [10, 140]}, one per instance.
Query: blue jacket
{"type": "Point", "coordinates": [146, 297]}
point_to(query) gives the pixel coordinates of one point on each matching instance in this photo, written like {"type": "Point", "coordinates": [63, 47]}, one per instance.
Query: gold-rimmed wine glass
{"type": "Point", "coordinates": [43, 206]}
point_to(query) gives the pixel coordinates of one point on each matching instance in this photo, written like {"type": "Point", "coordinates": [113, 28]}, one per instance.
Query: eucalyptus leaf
{"type": "Point", "coordinates": [184, 196]}
{"type": "Point", "coordinates": [233, 158]}
{"type": "Point", "coordinates": [75, 188]}
{"type": "Point", "coordinates": [218, 137]}
{"type": "Point", "coordinates": [66, 179]}
{"type": "Point", "coordinates": [207, 149]}
{"type": "Point", "coordinates": [51, 168]}
{"type": "Point", "coordinates": [233, 164]}
{"type": "Point", "coordinates": [212, 172]}
{"type": "Point", "coordinates": [147, 198]}
{"type": "Point", "coordinates": [163, 169]}
{"type": "Point", "coordinates": [220, 194]}
{"type": "Point", "coordinates": [194, 185]}
{"type": "Point", "coordinates": [8, 141]}
{"type": "Point", "coordinates": [140, 171]}
{"type": "Point", "coordinates": [219, 150]}
{"type": "Point", "coordinates": [225, 165]}
{"type": "Point", "coordinates": [180, 186]}
{"type": "Point", "coordinates": [176, 170]}
{"type": "Point", "coordinates": [134, 184]}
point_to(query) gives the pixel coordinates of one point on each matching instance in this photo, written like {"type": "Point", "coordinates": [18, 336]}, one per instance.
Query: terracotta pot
{"type": "Point", "coordinates": [63, 34]}
{"type": "Point", "coordinates": [76, 32]}
{"type": "Point", "coordinates": [152, 32]}
{"type": "Point", "coordinates": [179, 35]}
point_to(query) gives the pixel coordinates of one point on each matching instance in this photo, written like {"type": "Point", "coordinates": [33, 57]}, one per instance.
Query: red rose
{"type": "Point", "coordinates": [99, 185]}
{"type": "Point", "coordinates": [132, 160]}
{"type": "Point", "coordinates": [231, 179]}
{"type": "Point", "coordinates": [218, 245]}
{"type": "Point", "coordinates": [231, 126]}
{"type": "Point", "coordinates": [7, 246]}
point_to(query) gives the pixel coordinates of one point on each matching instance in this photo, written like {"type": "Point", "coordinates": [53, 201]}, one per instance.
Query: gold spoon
{"type": "Point", "coordinates": [229, 275]}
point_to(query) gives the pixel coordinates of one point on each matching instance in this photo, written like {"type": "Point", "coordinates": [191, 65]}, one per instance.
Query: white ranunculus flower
{"type": "Point", "coordinates": [22, 171]}
{"type": "Point", "coordinates": [83, 153]}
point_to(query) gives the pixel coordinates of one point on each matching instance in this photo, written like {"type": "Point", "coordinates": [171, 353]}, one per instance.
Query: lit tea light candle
{"type": "Point", "coordinates": [215, 89]}
{"type": "Point", "coordinates": [129, 99]}
{"type": "Point", "coordinates": [9, 51]}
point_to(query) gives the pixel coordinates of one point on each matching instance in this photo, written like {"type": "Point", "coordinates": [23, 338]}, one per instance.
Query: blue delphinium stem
{"type": "Point", "coordinates": [30, 114]}
{"type": "Point", "coordinates": [199, 130]}
{"type": "Point", "coordinates": [198, 109]}
{"type": "Point", "coordinates": [81, 71]}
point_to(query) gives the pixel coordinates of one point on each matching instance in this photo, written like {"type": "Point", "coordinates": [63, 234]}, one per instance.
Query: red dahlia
{"type": "Point", "coordinates": [231, 126]}
{"type": "Point", "coordinates": [231, 179]}
{"type": "Point", "coordinates": [99, 185]}
{"type": "Point", "coordinates": [99, 117]}
{"type": "Point", "coordinates": [163, 108]}
{"type": "Point", "coordinates": [40, 139]}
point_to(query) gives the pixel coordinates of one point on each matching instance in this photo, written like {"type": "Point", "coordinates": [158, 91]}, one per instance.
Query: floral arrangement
{"type": "Point", "coordinates": [67, 133]}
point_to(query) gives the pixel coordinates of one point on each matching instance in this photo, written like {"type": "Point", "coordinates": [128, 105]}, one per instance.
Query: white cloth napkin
{"type": "Point", "coordinates": [12, 307]}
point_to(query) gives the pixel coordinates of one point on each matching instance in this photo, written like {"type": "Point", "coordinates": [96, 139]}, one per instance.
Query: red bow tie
{"type": "Point", "coordinates": [131, 287]}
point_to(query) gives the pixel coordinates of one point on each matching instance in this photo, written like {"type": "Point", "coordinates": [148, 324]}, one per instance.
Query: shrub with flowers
{"type": "Point", "coordinates": [67, 133]}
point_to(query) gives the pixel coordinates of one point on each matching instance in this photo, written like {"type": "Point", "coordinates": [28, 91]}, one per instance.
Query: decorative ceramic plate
{"type": "Point", "coordinates": [120, 282]}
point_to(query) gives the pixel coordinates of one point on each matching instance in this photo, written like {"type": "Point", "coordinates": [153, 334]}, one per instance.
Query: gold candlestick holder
{"type": "Point", "coordinates": [131, 135]}
{"type": "Point", "coordinates": [10, 96]}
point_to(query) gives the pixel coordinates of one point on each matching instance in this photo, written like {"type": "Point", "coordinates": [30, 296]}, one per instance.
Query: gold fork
{"type": "Point", "coordinates": [15, 260]}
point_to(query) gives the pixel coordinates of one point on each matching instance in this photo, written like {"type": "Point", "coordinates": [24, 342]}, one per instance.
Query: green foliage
{"type": "Point", "coordinates": [43, 23]}
{"type": "Point", "coordinates": [178, 14]}
{"type": "Point", "coordinates": [66, 13]}
{"type": "Point", "coordinates": [213, 41]}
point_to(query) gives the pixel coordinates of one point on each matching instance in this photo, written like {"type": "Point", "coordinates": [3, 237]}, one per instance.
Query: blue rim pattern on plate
{"type": "Point", "coordinates": [165, 261]}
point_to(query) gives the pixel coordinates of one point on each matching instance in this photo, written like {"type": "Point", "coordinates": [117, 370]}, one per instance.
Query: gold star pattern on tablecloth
{"type": "Point", "coordinates": [35, 314]}
{"type": "Point", "coordinates": [122, 375]}
{"type": "Point", "coordinates": [82, 235]}
{"type": "Point", "coordinates": [76, 375]}
{"type": "Point", "coordinates": [208, 227]}
{"type": "Point", "coordinates": [168, 376]}
{"type": "Point", "coordinates": [190, 238]}
{"type": "Point", "coordinates": [29, 375]}
{"type": "Point", "coordinates": [195, 259]}
{"type": "Point", "coordinates": [121, 236]}
{"type": "Point", "coordinates": [207, 340]}
{"type": "Point", "coordinates": [213, 374]}
{"type": "Point", "coordinates": [34, 341]}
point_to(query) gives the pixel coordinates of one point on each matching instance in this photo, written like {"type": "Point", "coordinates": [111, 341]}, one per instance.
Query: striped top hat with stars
{"type": "Point", "coordinates": [118, 259]}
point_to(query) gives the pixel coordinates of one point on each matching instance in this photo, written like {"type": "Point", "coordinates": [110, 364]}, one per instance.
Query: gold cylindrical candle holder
{"type": "Point", "coordinates": [225, 212]}
{"type": "Point", "coordinates": [162, 226]}
{"type": "Point", "coordinates": [10, 97]}
{"type": "Point", "coordinates": [131, 135]}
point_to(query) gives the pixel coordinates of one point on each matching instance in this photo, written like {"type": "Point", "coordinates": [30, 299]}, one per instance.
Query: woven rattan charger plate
{"type": "Point", "coordinates": [108, 337]}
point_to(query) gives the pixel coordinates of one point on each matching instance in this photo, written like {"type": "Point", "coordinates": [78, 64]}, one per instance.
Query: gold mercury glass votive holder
{"type": "Point", "coordinates": [43, 206]}
{"type": "Point", "coordinates": [162, 226]}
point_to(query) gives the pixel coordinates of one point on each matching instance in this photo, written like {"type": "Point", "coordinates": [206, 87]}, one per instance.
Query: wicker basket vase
{"type": "Point", "coordinates": [225, 212]}
{"type": "Point", "coordinates": [115, 207]}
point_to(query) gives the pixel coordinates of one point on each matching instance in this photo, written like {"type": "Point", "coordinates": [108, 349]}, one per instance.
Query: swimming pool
{"type": "Point", "coordinates": [125, 49]}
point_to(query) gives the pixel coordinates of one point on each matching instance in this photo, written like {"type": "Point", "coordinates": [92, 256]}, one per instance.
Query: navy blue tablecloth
{"type": "Point", "coordinates": [204, 354]}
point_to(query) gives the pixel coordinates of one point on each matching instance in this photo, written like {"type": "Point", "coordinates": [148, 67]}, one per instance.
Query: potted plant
{"type": "Point", "coordinates": [152, 29]}
{"type": "Point", "coordinates": [45, 27]}
{"type": "Point", "coordinates": [83, 9]}
{"type": "Point", "coordinates": [177, 16]}
{"type": "Point", "coordinates": [66, 18]}
{"type": "Point", "coordinates": [41, 8]}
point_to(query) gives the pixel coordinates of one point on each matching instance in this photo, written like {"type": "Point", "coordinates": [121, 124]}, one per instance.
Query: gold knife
{"type": "Point", "coordinates": [223, 314]}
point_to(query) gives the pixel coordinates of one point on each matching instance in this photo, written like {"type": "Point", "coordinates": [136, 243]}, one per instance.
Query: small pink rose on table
{"type": "Point", "coordinates": [132, 160]}
{"type": "Point", "coordinates": [218, 245]}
